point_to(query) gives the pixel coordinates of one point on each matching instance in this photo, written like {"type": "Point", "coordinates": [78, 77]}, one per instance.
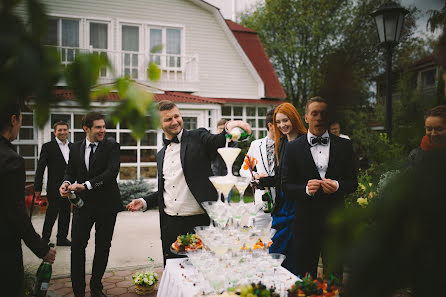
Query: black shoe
{"type": "Point", "coordinates": [63, 242]}
{"type": "Point", "coordinates": [98, 294]}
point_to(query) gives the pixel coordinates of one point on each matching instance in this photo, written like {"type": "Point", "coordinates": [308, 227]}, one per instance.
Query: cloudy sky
{"type": "Point", "coordinates": [226, 8]}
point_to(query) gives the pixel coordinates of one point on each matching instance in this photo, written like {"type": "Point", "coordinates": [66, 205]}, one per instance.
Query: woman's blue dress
{"type": "Point", "coordinates": [283, 217]}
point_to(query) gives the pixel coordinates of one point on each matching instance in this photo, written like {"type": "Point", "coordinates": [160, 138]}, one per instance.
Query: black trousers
{"type": "Point", "coordinates": [57, 206]}
{"type": "Point", "coordinates": [172, 226]}
{"type": "Point", "coordinates": [310, 243]}
{"type": "Point", "coordinates": [83, 221]}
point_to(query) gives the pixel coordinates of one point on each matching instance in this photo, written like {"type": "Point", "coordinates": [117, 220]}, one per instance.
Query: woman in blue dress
{"type": "Point", "coordinates": [287, 127]}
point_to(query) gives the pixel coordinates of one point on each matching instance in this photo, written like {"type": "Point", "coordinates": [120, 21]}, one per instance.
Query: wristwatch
{"type": "Point", "coordinates": [85, 185]}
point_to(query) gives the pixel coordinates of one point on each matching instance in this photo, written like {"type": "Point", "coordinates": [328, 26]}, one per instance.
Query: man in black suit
{"type": "Point", "coordinates": [319, 170]}
{"type": "Point", "coordinates": [15, 223]}
{"type": "Point", "coordinates": [91, 173]}
{"type": "Point", "coordinates": [184, 167]}
{"type": "Point", "coordinates": [54, 155]}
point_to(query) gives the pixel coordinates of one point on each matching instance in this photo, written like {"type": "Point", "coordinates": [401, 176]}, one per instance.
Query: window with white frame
{"type": "Point", "coordinates": [130, 50]}
{"type": "Point", "coordinates": [165, 47]}
{"type": "Point", "coordinates": [138, 158]}
{"type": "Point", "coordinates": [99, 40]}
{"type": "Point", "coordinates": [254, 115]}
{"type": "Point", "coordinates": [64, 33]}
{"type": "Point", "coordinates": [26, 145]}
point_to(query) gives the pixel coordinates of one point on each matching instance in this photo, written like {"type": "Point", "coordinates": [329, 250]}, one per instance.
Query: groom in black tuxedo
{"type": "Point", "coordinates": [184, 167]}
{"type": "Point", "coordinates": [54, 155]}
{"type": "Point", "coordinates": [319, 170]}
{"type": "Point", "coordinates": [91, 173]}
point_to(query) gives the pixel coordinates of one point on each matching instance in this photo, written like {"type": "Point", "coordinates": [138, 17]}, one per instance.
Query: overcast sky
{"type": "Point", "coordinates": [226, 8]}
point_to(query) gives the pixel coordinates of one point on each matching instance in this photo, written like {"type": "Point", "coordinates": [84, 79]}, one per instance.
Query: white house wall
{"type": "Point", "coordinates": [223, 71]}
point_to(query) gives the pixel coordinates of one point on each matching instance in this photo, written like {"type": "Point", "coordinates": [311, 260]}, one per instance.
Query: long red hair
{"type": "Point", "coordinates": [290, 111]}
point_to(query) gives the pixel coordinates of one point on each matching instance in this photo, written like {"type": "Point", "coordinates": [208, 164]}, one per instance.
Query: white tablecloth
{"type": "Point", "coordinates": [178, 279]}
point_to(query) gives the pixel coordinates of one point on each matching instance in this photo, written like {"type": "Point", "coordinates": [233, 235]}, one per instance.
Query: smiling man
{"type": "Point", "coordinates": [54, 155]}
{"type": "Point", "coordinates": [319, 170]}
{"type": "Point", "coordinates": [91, 173]}
{"type": "Point", "coordinates": [184, 167]}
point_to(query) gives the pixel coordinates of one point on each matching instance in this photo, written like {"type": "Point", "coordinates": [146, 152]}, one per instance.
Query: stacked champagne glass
{"type": "Point", "coordinates": [230, 257]}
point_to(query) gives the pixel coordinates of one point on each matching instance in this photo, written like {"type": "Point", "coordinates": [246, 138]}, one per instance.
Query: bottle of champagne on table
{"type": "Point", "coordinates": [43, 277]}
{"type": "Point", "coordinates": [237, 134]}
{"type": "Point", "coordinates": [267, 202]}
{"type": "Point", "coordinates": [75, 200]}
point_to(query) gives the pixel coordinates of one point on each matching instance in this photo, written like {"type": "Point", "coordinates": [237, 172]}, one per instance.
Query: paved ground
{"type": "Point", "coordinates": [136, 237]}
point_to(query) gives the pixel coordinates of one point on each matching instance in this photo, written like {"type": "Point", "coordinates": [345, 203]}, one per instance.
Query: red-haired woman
{"type": "Point", "coordinates": [287, 127]}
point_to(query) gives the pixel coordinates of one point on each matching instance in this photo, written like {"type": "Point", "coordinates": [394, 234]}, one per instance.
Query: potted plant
{"type": "Point", "coordinates": [145, 281]}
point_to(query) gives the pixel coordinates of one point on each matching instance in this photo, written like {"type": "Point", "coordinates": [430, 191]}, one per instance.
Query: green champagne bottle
{"type": "Point", "coordinates": [237, 134]}
{"type": "Point", "coordinates": [43, 277]}
{"type": "Point", "coordinates": [267, 202]}
{"type": "Point", "coordinates": [75, 200]}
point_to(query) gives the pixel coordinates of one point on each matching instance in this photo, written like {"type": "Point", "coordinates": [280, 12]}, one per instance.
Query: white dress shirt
{"type": "Point", "coordinates": [64, 148]}
{"type": "Point", "coordinates": [321, 156]}
{"type": "Point", "coordinates": [178, 199]}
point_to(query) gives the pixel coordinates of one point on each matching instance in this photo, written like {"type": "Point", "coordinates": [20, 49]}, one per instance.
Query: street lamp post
{"type": "Point", "coordinates": [389, 19]}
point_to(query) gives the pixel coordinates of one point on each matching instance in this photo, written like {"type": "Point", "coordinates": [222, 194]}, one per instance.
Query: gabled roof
{"type": "Point", "coordinates": [250, 42]}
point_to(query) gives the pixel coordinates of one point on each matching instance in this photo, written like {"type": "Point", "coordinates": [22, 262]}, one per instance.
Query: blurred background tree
{"type": "Point", "coordinates": [30, 71]}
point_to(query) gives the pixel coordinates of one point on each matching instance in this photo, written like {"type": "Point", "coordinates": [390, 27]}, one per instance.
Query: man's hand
{"type": "Point", "coordinates": [50, 256]}
{"type": "Point", "coordinates": [244, 125]}
{"type": "Point", "coordinates": [76, 187]}
{"type": "Point", "coordinates": [63, 190]}
{"type": "Point", "coordinates": [313, 186]}
{"type": "Point", "coordinates": [135, 205]}
{"type": "Point", "coordinates": [37, 194]}
{"type": "Point", "coordinates": [329, 186]}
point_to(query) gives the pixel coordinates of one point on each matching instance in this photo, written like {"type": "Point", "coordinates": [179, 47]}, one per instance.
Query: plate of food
{"type": "Point", "coordinates": [186, 243]}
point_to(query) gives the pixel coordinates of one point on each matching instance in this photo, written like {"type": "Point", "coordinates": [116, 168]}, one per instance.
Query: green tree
{"type": "Point", "coordinates": [297, 35]}
{"type": "Point", "coordinates": [29, 69]}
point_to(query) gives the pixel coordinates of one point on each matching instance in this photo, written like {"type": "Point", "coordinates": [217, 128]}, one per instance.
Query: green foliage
{"type": "Point", "coordinates": [31, 69]}
{"type": "Point", "coordinates": [437, 19]}
{"type": "Point", "coordinates": [136, 189]}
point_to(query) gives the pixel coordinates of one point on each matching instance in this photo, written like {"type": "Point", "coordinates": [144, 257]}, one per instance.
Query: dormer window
{"type": "Point", "coordinates": [165, 47]}
{"type": "Point", "coordinates": [64, 33]}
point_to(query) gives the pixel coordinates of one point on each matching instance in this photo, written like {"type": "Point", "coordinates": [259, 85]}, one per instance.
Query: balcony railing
{"type": "Point", "coordinates": [178, 72]}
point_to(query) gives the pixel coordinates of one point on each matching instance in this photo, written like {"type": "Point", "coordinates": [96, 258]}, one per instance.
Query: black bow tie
{"type": "Point", "coordinates": [319, 140]}
{"type": "Point", "coordinates": [168, 141]}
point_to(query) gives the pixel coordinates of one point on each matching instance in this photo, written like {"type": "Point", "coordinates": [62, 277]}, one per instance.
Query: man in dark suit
{"type": "Point", "coordinates": [15, 223]}
{"type": "Point", "coordinates": [319, 170]}
{"type": "Point", "coordinates": [54, 155]}
{"type": "Point", "coordinates": [184, 167]}
{"type": "Point", "coordinates": [91, 173]}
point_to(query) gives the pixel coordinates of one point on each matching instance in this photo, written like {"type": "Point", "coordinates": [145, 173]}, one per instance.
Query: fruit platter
{"type": "Point", "coordinates": [186, 243]}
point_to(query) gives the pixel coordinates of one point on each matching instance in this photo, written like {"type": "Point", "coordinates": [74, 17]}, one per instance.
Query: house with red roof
{"type": "Point", "coordinates": [211, 67]}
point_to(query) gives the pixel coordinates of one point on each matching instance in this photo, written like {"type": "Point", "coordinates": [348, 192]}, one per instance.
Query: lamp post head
{"type": "Point", "coordinates": [389, 20]}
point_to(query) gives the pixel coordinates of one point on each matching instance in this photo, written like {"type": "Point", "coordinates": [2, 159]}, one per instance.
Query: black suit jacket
{"type": "Point", "coordinates": [104, 168]}
{"type": "Point", "coordinates": [299, 167]}
{"type": "Point", "coordinates": [198, 148]}
{"type": "Point", "coordinates": [50, 156]}
{"type": "Point", "coordinates": [15, 223]}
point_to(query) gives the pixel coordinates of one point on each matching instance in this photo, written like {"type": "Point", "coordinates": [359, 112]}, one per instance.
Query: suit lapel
{"type": "Point", "coordinates": [264, 155]}
{"type": "Point", "coordinates": [308, 156]}
{"type": "Point", "coordinates": [82, 155]}
{"type": "Point", "coordinates": [332, 155]}
{"type": "Point", "coordinates": [183, 144]}
{"type": "Point", "coordinates": [57, 149]}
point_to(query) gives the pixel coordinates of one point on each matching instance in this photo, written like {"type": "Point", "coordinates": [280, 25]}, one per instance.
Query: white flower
{"type": "Point", "coordinates": [150, 283]}
{"type": "Point", "coordinates": [146, 280]}
{"type": "Point", "coordinates": [151, 277]}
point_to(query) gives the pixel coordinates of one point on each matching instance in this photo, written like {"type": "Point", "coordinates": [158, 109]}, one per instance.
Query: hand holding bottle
{"type": "Point", "coordinates": [235, 130]}
{"type": "Point", "coordinates": [50, 257]}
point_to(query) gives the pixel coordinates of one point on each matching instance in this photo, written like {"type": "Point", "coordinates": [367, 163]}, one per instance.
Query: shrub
{"type": "Point", "coordinates": [136, 189]}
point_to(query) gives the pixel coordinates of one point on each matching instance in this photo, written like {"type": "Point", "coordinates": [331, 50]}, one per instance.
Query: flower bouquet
{"type": "Point", "coordinates": [145, 281]}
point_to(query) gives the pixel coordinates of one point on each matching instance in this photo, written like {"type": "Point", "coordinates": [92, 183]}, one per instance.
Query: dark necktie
{"type": "Point", "coordinates": [169, 141]}
{"type": "Point", "coordinates": [319, 140]}
{"type": "Point", "coordinates": [90, 159]}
